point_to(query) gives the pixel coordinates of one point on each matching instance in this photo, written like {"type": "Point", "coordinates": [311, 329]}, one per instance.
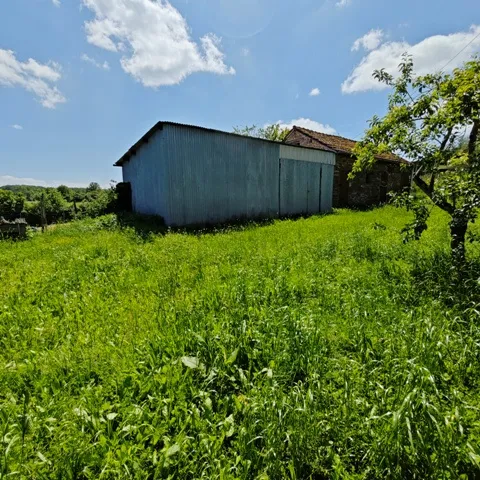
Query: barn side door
{"type": "Point", "coordinates": [299, 187]}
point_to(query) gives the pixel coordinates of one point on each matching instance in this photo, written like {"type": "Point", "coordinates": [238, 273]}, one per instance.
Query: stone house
{"type": "Point", "coordinates": [367, 188]}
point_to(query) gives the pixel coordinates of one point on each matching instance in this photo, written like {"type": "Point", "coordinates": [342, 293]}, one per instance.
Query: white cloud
{"type": "Point", "coordinates": [343, 3]}
{"type": "Point", "coordinates": [92, 61]}
{"type": "Point", "coordinates": [11, 180]}
{"type": "Point", "coordinates": [49, 73]}
{"type": "Point", "coordinates": [154, 40]}
{"type": "Point", "coordinates": [429, 55]}
{"type": "Point", "coordinates": [32, 76]}
{"type": "Point", "coordinates": [56, 2]}
{"type": "Point", "coordinates": [308, 123]}
{"type": "Point", "coordinates": [370, 41]}
{"type": "Point", "coordinates": [16, 126]}
{"type": "Point", "coordinates": [244, 52]}
{"type": "Point", "coordinates": [314, 92]}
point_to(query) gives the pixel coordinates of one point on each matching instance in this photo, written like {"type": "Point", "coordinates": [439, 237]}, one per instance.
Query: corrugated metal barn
{"type": "Point", "coordinates": [195, 176]}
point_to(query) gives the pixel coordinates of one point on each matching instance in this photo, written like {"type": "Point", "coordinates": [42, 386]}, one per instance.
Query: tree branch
{"type": "Point", "coordinates": [408, 93]}
{"type": "Point", "coordinates": [473, 138]}
{"type": "Point", "coordinates": [446, 139]}
{"type": "Point", "coordinates": [444, 205]}
{"type": "Point", "coordinates": [432, 183]}
{"type": "Point", "coordinates": [417, 173]}
{"type": "Point", "coordinates": [441, 149]}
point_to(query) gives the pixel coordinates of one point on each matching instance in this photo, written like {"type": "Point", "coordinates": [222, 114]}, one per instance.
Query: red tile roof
{"type": "Point", "coordinates": [341, 144]}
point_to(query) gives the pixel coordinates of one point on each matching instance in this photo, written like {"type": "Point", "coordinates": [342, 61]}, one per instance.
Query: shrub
{"type": "Point", "coordinates": [11, 204]}
{"type": "Point", "coordinates": [97, 203]}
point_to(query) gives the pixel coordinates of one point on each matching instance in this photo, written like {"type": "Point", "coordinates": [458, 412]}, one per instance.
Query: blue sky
{"type": "Point", "coordinates": [82, 80]}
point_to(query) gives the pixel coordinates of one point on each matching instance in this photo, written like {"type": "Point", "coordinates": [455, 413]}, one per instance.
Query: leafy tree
{"type": "Point", "coordinates": [65, 192]}
{"type": "Point", "coordinates": [273, 132]}
{"type": "Point", "coordinates": [53, 203]}
{"type": "Point", "coordinates": [78, 194]}
{"type": "Point", "coordinates": [11, 204]}
{"type": "Point", "coordinates": [104, 202]}
{"type": "Point", "coordinates": [428, 118]}
{"type": "Point", "coordinates": [93, 187]}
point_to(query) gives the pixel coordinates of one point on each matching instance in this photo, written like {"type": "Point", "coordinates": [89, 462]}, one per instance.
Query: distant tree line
{"type": "Point", "coordinates": [54, 205]}
{"type": "Point", "coordinates": [32, 193]}
{"type": "Point", "coordinates": [274, 132]}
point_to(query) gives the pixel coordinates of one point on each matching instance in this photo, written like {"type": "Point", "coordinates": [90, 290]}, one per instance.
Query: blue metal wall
{"type": "Point", "coordinates": [299, 187]}
{"type": "Point", "coordinates": [214, 177]}
{"type": "Point", "coordinates": [327, 187]}
{"type": "Point", "coordinates": [193, 176]}
{"type": "Point", "coordinates": [146, 173]}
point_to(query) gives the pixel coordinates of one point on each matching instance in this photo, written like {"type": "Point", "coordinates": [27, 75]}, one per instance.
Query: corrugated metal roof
{"type": "Point", "coordinates": [342, 144]}
{"type": "Point", "coordinates": [159, 125]}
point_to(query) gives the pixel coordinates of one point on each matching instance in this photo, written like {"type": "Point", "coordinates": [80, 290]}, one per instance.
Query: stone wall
{"type": "Point", "coordinates": [369, 187]}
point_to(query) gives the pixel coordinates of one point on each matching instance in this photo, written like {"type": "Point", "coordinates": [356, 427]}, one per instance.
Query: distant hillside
{"type": "Point", "coordinates": [32, 192]}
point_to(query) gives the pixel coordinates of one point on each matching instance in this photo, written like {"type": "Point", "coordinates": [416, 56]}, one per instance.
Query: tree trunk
{"type": "Point", "coordinates": [458, 231]}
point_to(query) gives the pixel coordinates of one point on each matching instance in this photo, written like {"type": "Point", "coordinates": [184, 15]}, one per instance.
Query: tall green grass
{"type": "Point", "coordinates": [317, 348]}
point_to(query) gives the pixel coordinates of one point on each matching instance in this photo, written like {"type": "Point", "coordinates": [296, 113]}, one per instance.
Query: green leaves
{"type": "Point", "coordinates": [233, 356]}
{"type": "Point", "coordinates": [271, 132]}
{"type": "Point", "coordinates": [427, 123]}
{"type": "Point", "coordinates": [11, 204]}
{"type": "Point", "coordinates": [421, 211]}
{"type": "Point", "coordinates": [191, 362]}
{"type": "Point", "coordinates": [172, 450]}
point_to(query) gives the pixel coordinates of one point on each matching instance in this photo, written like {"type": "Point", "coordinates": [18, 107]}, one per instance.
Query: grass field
{"type": "Point", "coordinates": [322, 348]}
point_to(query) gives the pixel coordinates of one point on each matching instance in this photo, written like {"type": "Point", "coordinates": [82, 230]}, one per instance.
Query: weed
{"type": "Point", "coordinates": [317, 348]}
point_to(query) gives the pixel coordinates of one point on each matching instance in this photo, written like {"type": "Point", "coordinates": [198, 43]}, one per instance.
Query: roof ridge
{"type": "Point", "coordinates": [327, 134]}
{"type": "Point", "coordinates": [342, 144]}
{"type": "Point", "coordinates": [306, 132]}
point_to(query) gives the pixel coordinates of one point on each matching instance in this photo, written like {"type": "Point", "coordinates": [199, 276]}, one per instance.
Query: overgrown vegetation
{"type": "Point", "coordinates": [56, 205]}
{"type": "Point", "coordinates": [318, 348]}
{"type": "Point", "coordinates": [11, 204]}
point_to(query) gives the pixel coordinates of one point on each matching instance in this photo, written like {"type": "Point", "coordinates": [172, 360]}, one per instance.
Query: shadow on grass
{"type": "Point", "coordinates": [143, 225]}
{"type": "Point", "coordinates": [439, 277]}
{"type": "Point", "coordinates": [147, 225]}
{"type": "Point", "coordinates": [364, 208]}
